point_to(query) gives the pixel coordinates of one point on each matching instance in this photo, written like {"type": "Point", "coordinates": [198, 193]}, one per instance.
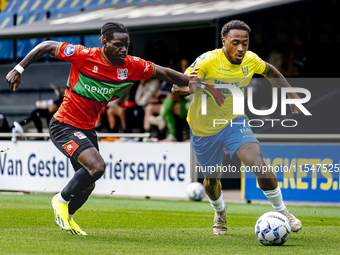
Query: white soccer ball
{"type": "Point", "coordinates": [195, 191]}
{"type": "Point", "coordinates": [272, 228]}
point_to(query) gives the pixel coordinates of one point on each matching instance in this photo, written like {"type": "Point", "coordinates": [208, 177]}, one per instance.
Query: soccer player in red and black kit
{"type": "Point", "coordinates": [97, 76]}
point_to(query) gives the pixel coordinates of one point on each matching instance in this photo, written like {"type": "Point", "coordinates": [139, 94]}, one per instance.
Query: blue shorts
{"type": "Point", "coordinates": [210, 150]}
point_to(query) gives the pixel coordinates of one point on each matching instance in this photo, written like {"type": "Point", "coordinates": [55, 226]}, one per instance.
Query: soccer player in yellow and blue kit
{"type": "Point", "coordinates": [233, 65]}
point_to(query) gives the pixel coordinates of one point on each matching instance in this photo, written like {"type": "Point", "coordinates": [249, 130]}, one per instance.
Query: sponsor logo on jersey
{"type": "Point", "coordinates": [122, 73]}
{"type": "Point", "coordinates": [85, 50]}
{"type": "Point", "coordinates": [136, 58]}
{"type": "Point", "coordinates": [70, 147]}
{"type": "Point", "coordinates": [69, 50]}
{"type": "Point", "coordinates": [146, 69]}
{"type": "Point", "coordinates": [95, 69]}
{"type": "Point", "coordinates": [245, 70]}
{"type": "Point", "coordinates": [225, 74]}
{"type": "Point", "coordinates": [80, 135]}
{"type": "Point", "coordinates": [227, 70]}
{"type": "Point", "coordinates": [102, 91]}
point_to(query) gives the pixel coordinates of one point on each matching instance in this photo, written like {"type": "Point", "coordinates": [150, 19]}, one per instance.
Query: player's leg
{"type": "Point", "coordinates": [210, 154]}
{"type": "Point", "coordinates": [250, 154]}
{"type": "Point", "coordinates": [74, 143]}
{"type": "Point", "coordinates": [213, 189]}
{"type": "Point", "coordinates": [83, 180]}
{"type": "Point", "coordinates": [77, 201]}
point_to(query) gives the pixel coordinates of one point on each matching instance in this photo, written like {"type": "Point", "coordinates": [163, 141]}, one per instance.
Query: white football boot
{"type": "Point", "coordinates": [294, 222]}
{"type": "Point", "coordinates": [220, 222]}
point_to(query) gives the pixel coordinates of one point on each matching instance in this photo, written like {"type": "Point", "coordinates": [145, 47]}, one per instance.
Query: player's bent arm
{"type": "Point", "coordinates": [13, 78]}
{"type": "Point", "coordinates": [47, 47]}
{"type": "Point", "coordinates": [171, 76]}
{"type": "Point", "coordinates": [180, 90]}
{"type": "Point", "coordinates": [276, 78]}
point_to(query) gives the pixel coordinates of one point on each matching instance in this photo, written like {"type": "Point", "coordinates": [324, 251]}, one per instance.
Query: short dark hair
{"type": "Point", "coordinates": [108, 29]}
{"type": "Point", "coordinates": [234, 24]}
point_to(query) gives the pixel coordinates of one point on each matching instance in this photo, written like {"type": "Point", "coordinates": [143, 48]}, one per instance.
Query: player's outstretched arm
{"type": "Point", "coordinates": [277, 79]}
{"type": "Point", "coordinates": [13, 78]}
{"type": "Point", "coordinates": [171, 76]}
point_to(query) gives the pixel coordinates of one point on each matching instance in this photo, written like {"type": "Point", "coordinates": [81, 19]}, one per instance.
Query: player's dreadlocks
{"type": "Point", "coordinates": [112, 27]}
{"type": "Point", "coordinates": [234, 24]}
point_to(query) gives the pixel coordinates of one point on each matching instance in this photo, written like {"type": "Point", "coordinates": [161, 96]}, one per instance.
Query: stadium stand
{"type": "Point", "coordinates": [19, 12]}
{"type": "Point", "coordinates": [7, 46]}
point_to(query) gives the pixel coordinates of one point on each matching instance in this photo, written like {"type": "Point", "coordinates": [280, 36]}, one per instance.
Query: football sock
{"type": "Point", "coordinates": [61, 199]}
{"type": "Point", "coordinates": [79, 199]}
{"type": "Point", "coordinates": [275, 197]}
{"type": "Point", "coordinates": [80, 181]}
{"type": "Point", "coordinates": [70, 216]}
{"type": "Point", "coordinates": [218, 204]}
{"type": "Point", "coordinates": [166, 106]}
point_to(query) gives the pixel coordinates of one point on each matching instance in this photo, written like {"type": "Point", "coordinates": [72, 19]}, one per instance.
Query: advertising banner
{"type": "Point", "coordinates": [305, 172]}
{"type": "Point", "coordinates": [132, 169]}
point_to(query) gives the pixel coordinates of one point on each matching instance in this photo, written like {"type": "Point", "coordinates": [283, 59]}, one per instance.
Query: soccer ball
{"type": "Point", "coordinates": [195, 191]}
{"type": "Point", "coordinates": [272, 228]}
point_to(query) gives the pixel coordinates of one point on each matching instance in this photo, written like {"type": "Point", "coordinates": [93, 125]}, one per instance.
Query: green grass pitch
{"type": "Point", "coordinates": [146, 226]}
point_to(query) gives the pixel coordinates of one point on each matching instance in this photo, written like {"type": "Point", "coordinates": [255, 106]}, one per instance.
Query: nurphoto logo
{"type": "Point", "coordinates": [238, 105]}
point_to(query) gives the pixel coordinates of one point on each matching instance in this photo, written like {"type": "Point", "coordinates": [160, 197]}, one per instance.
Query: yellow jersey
{"type": "Point", "coordinates": [215, 68]}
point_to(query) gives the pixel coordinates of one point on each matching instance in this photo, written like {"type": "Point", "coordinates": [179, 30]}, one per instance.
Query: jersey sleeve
{"type": "Point", "coordinates": [75, 54]}
{"type": "Point", "coordinates": [143, 69]}
{"type": "Point", "coordinates": [201, 62]}
{"type": "Point", "coordinates": [260, 65]}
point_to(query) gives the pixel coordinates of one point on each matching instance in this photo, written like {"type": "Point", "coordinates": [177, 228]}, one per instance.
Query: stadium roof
{"type": "Point", "coordinates": [142, 17]}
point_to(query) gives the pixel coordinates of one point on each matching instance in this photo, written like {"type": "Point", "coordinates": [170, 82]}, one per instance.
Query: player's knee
{"type": "Point", "coordinates": [98, 169]}
{"type": "Point", "coordinates": [257, 162]}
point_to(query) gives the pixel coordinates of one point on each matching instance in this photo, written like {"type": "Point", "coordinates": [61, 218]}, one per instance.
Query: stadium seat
{"type": "Point", "coordinates": [7, 46]}
{"type": "Point", "coordinates": [28, 17]}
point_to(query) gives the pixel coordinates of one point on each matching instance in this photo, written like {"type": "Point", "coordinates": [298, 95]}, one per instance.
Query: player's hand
{"type": "Point", "coordinates": [194, 81]}
{"type": "Point", "coordinates": [195, 84]}
{"type": "Point", "coordinates": [293, 107]}
{"type": "Point", "coordinates": [180, 90]}
{"type": "Point", "coordinates": [13, 79]}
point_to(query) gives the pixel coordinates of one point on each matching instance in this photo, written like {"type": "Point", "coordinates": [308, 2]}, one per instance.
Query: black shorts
{"type": "Point", "coordinates": [71, 140]}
